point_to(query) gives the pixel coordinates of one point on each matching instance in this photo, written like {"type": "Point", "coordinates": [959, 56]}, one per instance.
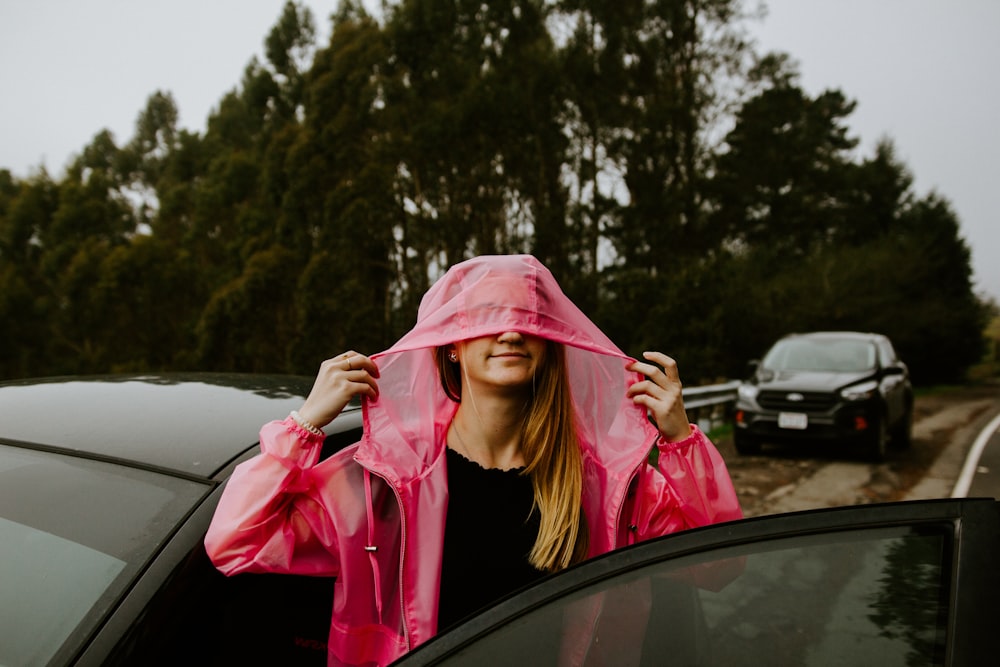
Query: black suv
{"type": "Point", "coordinates": [841, 387]}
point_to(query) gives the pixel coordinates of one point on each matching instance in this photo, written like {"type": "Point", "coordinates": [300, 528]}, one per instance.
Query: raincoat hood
{"type": "Point", "coordinates": [489, 295]}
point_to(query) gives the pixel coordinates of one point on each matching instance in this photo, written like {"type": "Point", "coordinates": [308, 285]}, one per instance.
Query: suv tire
{"type": "Point", "coordinates": [877, 440]}
{"type": "Point", "coordinates": [902, 432]}
{"type": "Point", "coordinates": [746, 445]}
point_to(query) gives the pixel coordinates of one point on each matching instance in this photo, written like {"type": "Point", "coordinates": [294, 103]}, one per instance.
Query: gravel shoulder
{"type": "Point", "coordinates": [791, 479]}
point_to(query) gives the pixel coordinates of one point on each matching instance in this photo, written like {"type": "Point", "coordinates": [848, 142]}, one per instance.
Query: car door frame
{"type": "Point", "coordinates": [974, 586]}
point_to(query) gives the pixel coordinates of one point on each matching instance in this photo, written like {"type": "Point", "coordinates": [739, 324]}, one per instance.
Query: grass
{"type": "Point", "coordinates": [720, 432]}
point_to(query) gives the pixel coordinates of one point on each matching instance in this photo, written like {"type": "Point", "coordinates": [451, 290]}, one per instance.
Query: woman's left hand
{"type": "Point", "coordinates": [661, 395]}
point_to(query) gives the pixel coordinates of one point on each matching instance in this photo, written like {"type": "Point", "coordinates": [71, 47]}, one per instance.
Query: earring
{"type": "Point", "coordinates": [452, 356]}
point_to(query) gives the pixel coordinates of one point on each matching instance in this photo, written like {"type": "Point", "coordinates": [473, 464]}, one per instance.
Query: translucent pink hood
{"type": "Point", "coordinates": [484, 296]}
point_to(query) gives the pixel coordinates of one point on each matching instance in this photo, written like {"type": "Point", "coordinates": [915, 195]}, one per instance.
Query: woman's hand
{"type": "Point", "coordinates": [660, 394]}
{"type": "Point", "coordinates": [339, 380]}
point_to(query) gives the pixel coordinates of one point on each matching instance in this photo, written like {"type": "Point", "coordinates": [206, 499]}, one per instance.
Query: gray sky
{"type": "Point", "coordinates": [922, 72]}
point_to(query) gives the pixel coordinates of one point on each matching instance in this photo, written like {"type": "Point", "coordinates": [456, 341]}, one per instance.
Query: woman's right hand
{"type": "Point", "coordinates": [339, 380]}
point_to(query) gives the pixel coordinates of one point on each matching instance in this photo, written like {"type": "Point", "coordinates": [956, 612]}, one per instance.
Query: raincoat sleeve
{"type": "Point", "coordinates": [689, 487]}
{"type": "Point", "coordinates": [272, 517]}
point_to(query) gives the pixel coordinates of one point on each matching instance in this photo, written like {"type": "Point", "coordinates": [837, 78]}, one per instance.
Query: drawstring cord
{"type": "Point", "coordinates": [371, 548]}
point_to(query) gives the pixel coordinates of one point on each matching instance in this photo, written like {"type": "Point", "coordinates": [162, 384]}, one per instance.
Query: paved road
{"type": "Point", "coordinates": [981, 474]}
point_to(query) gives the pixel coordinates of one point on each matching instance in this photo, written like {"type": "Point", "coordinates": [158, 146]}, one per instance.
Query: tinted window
{"type": "Point", "coordinates": [73, 534]}
{"type": "Point", "coordinates": [874, 596]}
{"type": "Point", "coordinates": [821, 354]}
{"type": "Point", "coordinates": [887, 356]}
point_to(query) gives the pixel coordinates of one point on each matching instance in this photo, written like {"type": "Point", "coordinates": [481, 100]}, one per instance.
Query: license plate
{"type": "Point", "coordinates": [793, 420]}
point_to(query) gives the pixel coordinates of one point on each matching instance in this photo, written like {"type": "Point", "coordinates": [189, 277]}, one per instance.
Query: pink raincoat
{"type": "Point", "coordinates": [373, 514]}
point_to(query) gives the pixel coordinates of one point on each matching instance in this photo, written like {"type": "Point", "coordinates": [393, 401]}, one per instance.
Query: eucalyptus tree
{"type": "Point", "coordinates": [26, 299]}
{"type": "Point", "coordinates": [935, 313]}
{"type": "Point", "coordinates": [141, 162]}
{"type": "Point", "coordinates": [26, 208]}
{"type": "Point", "coordinates": [817, 239]}
{"type": "Point", "coordinates": [879, 190]}
{"type": "Point", "coordinates": [93, 217]}
{"type": "Point", "coordinates": [468, 95]}
{"type": "Point", "coordinates": [53, 237]}
{"type": "Point", "coordinates": [289, 49]}
{"type": "Point", "coordinates": [781, 184]}
{"type": "Point", "coordinates": [526, 91]}
{"type": "Point", "coordinates": [238, 225]}
{"type": "Point", "coordinates": [646, 87]}
{"type": "Point", "coordinates": [342, 198]}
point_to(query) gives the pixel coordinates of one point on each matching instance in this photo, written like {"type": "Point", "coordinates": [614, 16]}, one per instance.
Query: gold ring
{"type": "Point", "coordinates": [349, 366]}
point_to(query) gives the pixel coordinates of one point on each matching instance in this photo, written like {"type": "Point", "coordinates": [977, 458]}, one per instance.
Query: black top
{"type": "Point", "coordinates": [488, 536]}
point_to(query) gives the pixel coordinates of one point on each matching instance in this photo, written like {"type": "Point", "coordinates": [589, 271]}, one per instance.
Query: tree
{"type": "Point", "coordinates": [816, 240]}
{"type": "Point", "coordinates": [246, 324]}
{"type": "Point", "coordinates": [879, 190]}
{"type": "Point", "coordinates": [27, 299]}
{"type": "Point", "coordinates": [782, 182]}
{"type": "Point", "coordinates": [333, 185]}
{"type": "Point", "coordinates": [940, 321]}
{"type": "Point", "coordinates": [289, 49]}
{"type": "Point", "coordinates": [642, 100]}
{"type": "Point", "coordinates": [340, 205]}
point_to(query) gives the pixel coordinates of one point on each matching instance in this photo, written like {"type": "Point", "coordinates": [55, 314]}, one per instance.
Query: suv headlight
{"type": "Point", "coordinates": [748, 392]}
{"type": "Point", "coordinates": [860, 392]}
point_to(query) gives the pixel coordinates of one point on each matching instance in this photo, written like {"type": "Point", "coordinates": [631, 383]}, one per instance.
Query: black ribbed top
{"type": "Point", "coordinates": [488, 536]}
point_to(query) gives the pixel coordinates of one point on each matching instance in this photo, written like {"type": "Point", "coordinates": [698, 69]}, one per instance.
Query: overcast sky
{"type": "Point", "coordinates": [922, 71]}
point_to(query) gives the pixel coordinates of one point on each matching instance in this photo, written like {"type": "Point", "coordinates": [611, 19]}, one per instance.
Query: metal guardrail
{"type": "Point", "coordinates": [710, 406]}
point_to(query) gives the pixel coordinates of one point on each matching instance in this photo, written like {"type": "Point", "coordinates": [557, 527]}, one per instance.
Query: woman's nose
{"type": "Point", "coordinates": [511, 338]}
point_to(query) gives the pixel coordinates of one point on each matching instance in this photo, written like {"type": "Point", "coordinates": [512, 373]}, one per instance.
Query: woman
{"type": "Point", "coordinates": [505, 415]}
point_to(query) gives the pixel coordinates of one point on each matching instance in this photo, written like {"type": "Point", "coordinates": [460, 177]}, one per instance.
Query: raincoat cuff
{"type": "Point", "coordinates": [288, 442]}
{"type": "Point", "coordinates": [696, 436]}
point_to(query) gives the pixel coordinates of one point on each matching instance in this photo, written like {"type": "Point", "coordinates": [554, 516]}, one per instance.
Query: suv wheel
{"type": "Point", "coordinates": [745, 444]}
{"type": "Point", "coordinates": [877, 440]}
{"type": "Point", "coordinates": [902, 432]}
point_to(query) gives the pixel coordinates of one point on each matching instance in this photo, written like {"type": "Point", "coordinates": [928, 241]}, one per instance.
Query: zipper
{"type": "Point", "coordinates": [630, 528]}
{"type": "Point", "coordinates": [402, 552]}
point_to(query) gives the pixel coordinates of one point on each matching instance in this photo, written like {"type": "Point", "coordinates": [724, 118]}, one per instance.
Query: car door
{"type": "Point", "coordinates": [911, 583]}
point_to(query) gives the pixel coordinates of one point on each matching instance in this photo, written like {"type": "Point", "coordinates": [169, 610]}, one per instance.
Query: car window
{"type": "Point", "coordinates": [200, 616]}
{"type": "Point", "coordinates": [73, 534]}
{"type": "Point", "coordinates": [815, 354]}
{"type": "Point", "coordinates": [887, 355]}
{"type": "Point", "coordinates": [838, 598]}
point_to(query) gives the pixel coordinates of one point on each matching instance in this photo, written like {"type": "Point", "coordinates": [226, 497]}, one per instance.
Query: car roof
{"type": "Point", "coordinates": [190, 424]}
{"type": "Point", "coordinates": [861, 335]}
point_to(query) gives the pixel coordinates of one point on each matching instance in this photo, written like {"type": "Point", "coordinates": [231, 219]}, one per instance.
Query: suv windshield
{"type": "Point", "coordinates": [820, 354]}
{"type": "Point", "coordinates": [73, 535]}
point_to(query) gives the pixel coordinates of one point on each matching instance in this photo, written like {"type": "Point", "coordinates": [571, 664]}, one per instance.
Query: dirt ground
{"type": "Point", "coordinates": [938, 417]}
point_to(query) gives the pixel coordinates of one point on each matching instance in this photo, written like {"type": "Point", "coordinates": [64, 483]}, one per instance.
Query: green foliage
{"type": "Point", "coordinates": [336, 182]}
{"type": "Point", "coordinates": [246, 322]}
{"type": "Point", "coordinates": [784, 177]}
{"type": "Point", "coordinates": [989, 367]}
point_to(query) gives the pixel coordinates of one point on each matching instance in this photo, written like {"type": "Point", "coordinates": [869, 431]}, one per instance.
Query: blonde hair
{"type": "Point", "coordinates": [552, 456]}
